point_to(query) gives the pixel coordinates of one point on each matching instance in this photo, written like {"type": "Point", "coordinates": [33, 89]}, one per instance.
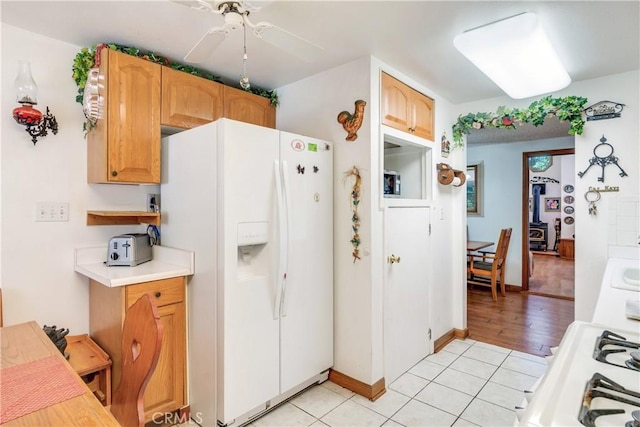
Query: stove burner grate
{"type": "Point", "coordinates": [610, 338]}
{"type": "Point", "coordinates": [594, 389]}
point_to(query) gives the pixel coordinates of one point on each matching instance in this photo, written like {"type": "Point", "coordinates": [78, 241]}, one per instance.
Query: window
{"type": "Point", "coordinates": [474, 189]}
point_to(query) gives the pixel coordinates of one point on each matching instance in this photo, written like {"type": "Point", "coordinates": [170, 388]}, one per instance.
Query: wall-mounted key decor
{"type": "Point", "coordinates": [603, 156]}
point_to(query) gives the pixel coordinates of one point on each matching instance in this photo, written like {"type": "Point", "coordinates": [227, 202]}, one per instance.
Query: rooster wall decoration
{"type": "Point", "coordinates": [352, 122]}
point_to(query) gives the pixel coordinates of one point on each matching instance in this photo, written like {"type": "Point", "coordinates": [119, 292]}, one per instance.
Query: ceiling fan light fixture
{"type": "Point", "coordinates": [515, 54]}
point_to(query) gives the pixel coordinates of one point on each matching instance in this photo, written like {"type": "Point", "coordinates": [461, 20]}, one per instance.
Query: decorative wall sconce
{"type": "Point", "coordinates": [27, 94]}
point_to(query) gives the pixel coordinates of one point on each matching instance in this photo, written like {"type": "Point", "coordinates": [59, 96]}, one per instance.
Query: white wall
{"type": "Point", "coordinates": [310, 107]}
{"type": "Point", "coordinates": [591, 232]}
{"type": "Point", "coordinates": [37, 277]}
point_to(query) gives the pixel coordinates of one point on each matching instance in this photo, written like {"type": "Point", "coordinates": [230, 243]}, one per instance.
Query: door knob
{"type": "Point", "coordinates": [393, 259]}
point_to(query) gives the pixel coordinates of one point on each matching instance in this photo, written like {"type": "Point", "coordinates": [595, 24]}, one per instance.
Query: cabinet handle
{"type": "Point", "coordinates": [114, 173]}
{"type": "Point", "coordinates": [158, 294]}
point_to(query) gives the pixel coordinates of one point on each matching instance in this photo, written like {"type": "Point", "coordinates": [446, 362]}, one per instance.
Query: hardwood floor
{"type": "Point", "coordinates": [552, 275]}
{"type": "Point", "coordinates": [519, 321]}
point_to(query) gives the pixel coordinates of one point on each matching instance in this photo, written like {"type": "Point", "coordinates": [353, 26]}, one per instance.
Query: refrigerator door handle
{"type": "Point", "coordinates": [288, 198]}
{"type": "Point", "coordinates": [280, 273]}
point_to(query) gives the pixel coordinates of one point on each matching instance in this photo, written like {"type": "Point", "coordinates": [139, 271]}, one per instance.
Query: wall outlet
{"type": "Point", "coordinates": [153, 202]}
{"type": "Point", "coordinates": [52, 212]}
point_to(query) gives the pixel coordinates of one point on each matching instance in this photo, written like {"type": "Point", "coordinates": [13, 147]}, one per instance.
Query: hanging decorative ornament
{"type": "Point", "coordinates": [445, 146]}
{"type": "Point", "coordinates": [592, 196]}
{"type": "Point", "coordinates": [355, 217]}
{"type": "Point", "coordinates": [244, 81]}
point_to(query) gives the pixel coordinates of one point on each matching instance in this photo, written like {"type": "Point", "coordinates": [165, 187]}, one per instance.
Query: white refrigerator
{"type": "Point", "coordinates": [256, 206]}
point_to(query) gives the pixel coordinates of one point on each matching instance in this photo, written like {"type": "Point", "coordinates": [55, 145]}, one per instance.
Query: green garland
{"type": "Point", "coordinates": [86, 58]}
{"type": "Point", "coordinates": [569, 109]}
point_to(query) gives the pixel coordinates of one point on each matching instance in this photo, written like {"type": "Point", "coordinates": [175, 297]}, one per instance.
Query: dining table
{"type": "Point", "coordinates": [474, 245]}
{"type": "Point", "coordinates": [38, 387]}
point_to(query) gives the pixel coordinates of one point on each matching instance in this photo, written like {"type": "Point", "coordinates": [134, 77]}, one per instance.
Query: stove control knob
{"type": "Point", "coordinates": [636, 419]}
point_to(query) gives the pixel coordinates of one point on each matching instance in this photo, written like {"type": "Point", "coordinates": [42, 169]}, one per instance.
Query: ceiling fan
{"type": "Point", "coordinates": [236, 16]}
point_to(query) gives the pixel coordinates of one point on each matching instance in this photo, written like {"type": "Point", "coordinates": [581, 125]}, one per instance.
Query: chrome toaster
{"type": "Point", "coordinates": [129, 250]}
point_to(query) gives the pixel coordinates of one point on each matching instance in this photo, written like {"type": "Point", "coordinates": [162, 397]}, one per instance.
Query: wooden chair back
{"type": "Point", "coordinates": [141, 344]}
{"type": "Point", "coordinates": [490, 265]}
{"type": "Point", "coordinates": [502, 248]}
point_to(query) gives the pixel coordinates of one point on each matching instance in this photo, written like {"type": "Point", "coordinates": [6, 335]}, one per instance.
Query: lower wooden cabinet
{"type": "Point", "coordinates": [566, 248]}
{"type": "Point", "coordinates": [166, 391]}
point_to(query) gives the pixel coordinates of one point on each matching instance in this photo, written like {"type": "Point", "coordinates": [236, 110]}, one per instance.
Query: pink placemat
{"type": "Point", "coordinates": [29, 387]}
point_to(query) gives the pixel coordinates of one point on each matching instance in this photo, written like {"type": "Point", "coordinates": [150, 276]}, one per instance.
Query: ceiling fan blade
{"type": "Point", "coordinates": [206, 45]}
{"type": "Point", "coordinates": [287, 41]}
{"type": "Point", "coordinates": [197, 4]}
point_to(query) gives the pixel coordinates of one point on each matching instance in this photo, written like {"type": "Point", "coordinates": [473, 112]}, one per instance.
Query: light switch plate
{"type": "Point", "coordinates": [52, 212]}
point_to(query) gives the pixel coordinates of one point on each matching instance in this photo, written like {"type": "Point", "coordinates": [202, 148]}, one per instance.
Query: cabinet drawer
{"type": "Point", "coordinates": [164, 292]}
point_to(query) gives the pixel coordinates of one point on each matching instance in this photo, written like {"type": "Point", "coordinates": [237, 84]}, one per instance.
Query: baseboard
{"type": "Point", "coordinates": [513, 288]}
{"type": "Point", "coordinates": [371, 392]}
{"type": "Point", "coordinates": [542, 294]}
{"type": "Point", "coordinates": [445, 339]}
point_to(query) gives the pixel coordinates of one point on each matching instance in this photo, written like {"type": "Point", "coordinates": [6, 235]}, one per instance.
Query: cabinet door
{"type": "Point", "coordinates": [422, 111]}
{"type": "Point", "coordinates": [133, 119]}
{"type": "Point", "coordinates": [395, 103]}
{"type": "Point", "coordinates": [166, 389]}
{"type": "Point", "coordinates": [189, 101]}
{"type": "Point", "coordinates": [249, 108]}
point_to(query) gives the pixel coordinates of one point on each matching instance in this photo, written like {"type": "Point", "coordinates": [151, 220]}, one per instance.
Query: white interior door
{"type": "Point", "coordinates": [407, 305]}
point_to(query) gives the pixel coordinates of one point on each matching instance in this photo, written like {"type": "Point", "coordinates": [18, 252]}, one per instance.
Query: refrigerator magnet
{"type": "Point", "coordinates": [297, 145]}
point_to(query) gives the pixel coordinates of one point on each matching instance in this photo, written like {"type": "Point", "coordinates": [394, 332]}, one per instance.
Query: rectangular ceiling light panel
{"type": "Point", "coordinates": [516, 54]}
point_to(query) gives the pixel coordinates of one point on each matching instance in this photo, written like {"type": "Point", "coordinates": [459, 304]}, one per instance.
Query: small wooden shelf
{"type": "Point", "coordinates": [122, 217]}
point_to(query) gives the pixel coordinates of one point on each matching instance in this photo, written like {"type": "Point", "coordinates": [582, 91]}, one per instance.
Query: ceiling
{"type": "Point", "coordinates": [593, 38]}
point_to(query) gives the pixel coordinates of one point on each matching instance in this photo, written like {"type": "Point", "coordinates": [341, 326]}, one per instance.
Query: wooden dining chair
{"type": "Point", "coordinates": [487, 268]}
{"type": "Point", "coordinates": [141, 343]}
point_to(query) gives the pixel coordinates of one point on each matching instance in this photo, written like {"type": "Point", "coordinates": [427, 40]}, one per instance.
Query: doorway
{"type": "Point", "coordinates": [547, 226]}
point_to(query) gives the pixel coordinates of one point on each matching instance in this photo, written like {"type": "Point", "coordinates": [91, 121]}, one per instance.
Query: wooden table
{"type": "Point", "coordinates": [473, 245]}
{"type": "Point", "coordinates": [27, 342]}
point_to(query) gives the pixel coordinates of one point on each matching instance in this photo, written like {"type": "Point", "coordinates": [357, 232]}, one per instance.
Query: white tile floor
{"type": "Point", "coordinates": [468, 383]}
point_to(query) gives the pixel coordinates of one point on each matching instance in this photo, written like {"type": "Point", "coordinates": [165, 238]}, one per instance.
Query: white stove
{"type": "Point", "coordinates": [576, 389]}
{"type": "Point", "coordinates": [595, 361]}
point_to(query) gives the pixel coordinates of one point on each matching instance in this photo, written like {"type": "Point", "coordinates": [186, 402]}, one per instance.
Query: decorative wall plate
{"type": "Point", "coordinates": [568, 220]}
{"type": "Point", "coordinates": [568, 199]}
{"type": "Point", "coordinates": [568, 210]}
{"type": "Point", "coordinates": [568, 188]}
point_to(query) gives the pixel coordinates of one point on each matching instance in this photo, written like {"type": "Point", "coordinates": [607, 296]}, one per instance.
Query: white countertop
{"type": "Point", "coordinates": [610, 307]}
{"type": "Point", "coordinates": [166, 263]}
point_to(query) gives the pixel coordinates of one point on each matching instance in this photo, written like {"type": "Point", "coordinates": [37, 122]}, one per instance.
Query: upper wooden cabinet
{"type": "Point", "coordinates": [247, 107]}
{"type": "Point", "coordinates": [189, 101]}
{"type": "Point", "coordinates": [406, 109]}
{"type": "Point", "coordinates": [124, 147]}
